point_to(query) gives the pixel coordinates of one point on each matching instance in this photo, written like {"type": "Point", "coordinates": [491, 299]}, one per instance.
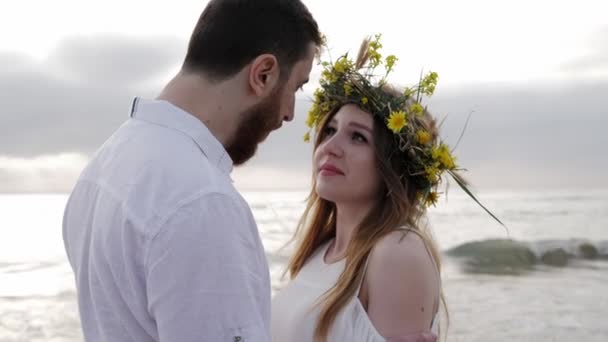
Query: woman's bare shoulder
{"type": "Point", "coordinates": [403, 285]}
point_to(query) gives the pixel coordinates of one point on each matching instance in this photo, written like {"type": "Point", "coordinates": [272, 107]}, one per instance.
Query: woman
{"type": "Point", "coordinates": [364, 267]}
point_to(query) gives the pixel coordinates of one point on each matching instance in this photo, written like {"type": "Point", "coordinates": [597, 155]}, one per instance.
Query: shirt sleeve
{"type": "Point", "coordinates": [206, 275]}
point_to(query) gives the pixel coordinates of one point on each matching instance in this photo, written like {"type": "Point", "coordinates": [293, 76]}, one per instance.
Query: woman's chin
{"type": "Point", "coordinates": [328, 192]}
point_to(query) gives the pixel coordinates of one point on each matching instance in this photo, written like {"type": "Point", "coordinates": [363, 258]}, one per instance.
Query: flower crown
{"type": "Point", "coordinates": [346, 82]}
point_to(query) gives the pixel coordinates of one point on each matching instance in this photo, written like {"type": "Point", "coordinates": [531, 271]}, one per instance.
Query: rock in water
{"type": "Point", "coordinates": [588, 251]}
{"type": "Point", "coordinates": [555, 257]}
{"type": "Point", "coordinates": [497, 256]}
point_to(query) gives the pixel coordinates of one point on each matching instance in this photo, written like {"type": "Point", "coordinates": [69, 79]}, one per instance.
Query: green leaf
{"type": "Point", "coordinates": [464, 187]}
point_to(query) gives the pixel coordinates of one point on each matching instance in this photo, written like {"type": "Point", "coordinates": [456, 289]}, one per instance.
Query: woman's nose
{"type": "Point", "coordinates": [333, 146]}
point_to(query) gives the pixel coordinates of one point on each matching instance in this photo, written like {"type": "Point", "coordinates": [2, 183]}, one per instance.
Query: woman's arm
{"type": "Point", "coordinates": [403, 286]}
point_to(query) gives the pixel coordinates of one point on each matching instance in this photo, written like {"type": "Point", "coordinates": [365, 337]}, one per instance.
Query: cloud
{"type": "Point", "coordinates": [595, 61]}
{"type": "Point", "coordinates": [527, 133]}
{"type": "Point", "coordinates": [11, 62]}
{"type": "Point", "coordinates": [116, 59]}
{"type": "Point", "coordinates": [56, 173]}
{"type": "Point", "coordinates": [523, 135]}
{"type": "Point", "coordinates": [530, 122]}
{"type": "Point", "coordinates": [45, 112]}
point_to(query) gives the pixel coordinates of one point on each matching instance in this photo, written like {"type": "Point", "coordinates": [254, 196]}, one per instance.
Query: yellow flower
{"type": "Point", "coordinates": [417, 109]}
{"type": "Point", "coordinates": [312, 118]}
{"type": "Point", "coordinates": [431, 199]}
{"type": "Point", "coordinates": [329, 76]}
{"type": "Point", "coordinates": [325, 107]}
{"type": "Point", "coordinates": [307, 137]}
{"type": "Point", "coordinates": [423, 137]}
{"type": "Point", "coordinates": [428, 83]}
{"type": "Point", "coordinates": [375, 44]}
{"type": "Point", "coordinates": [443, 155]}
{"type": "Point", "coordinates": [347, 89]}
{"type": "Point", "coordinates": [364, 100]}
{"type": "Point", "coordinates": [390, 62]}
{"type": "Point", "coordinates": [339, 68]}
{"type": "Point", "coordinates": [342, 65]}
{"type": "Point", "coordinates": [397, 121]}
{"type": "Point", "coordinates": [430, 78]}
{"type": "Point", "coordinates": [375, 57]}
{"type": "Point", "coordinates": [432, 174]}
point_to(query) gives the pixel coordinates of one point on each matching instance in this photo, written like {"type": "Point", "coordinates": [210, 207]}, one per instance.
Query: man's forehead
{"type": "Point", "coordinates": [301, 72]}
{"type": "Point", "coordinates": [301, 69]}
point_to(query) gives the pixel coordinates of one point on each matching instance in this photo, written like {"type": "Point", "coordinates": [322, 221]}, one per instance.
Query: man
{"type": "Point", "coordinates": [162, 246]}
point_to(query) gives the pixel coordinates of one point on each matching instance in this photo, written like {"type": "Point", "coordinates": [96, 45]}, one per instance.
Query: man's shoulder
{"type": "Point", "coordinates": [152, 172]}
{"type": "Point", "coordinates": [146, 150]}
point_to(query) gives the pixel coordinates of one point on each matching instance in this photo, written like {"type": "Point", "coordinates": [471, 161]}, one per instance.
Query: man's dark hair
{"type": "Point", "coordinates": [231, 33]}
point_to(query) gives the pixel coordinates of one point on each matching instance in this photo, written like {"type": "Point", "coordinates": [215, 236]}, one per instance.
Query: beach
{"type": "Point", "coordinates": [499, 284]}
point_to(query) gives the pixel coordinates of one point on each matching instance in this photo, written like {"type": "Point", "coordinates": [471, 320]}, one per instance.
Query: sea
{"type": "Point", "coordinates": [543, 277]}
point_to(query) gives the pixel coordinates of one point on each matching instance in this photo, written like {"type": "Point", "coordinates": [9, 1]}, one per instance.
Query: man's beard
{"type": "Point", "coordinates": [258, 121]}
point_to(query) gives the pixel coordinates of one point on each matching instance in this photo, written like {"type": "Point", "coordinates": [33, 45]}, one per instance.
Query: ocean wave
{"type": "Point", "coordinates": [24, 267]}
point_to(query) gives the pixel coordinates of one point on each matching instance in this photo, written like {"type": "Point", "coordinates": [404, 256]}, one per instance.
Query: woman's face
{"type": "Point", "coordinates": [344, 162]}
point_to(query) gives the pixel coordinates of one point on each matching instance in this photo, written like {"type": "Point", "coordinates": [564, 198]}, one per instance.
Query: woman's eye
{"type": "Point", "coordinates": [329, 131]}
{"type": "Point", "coordinates": [359, 137]}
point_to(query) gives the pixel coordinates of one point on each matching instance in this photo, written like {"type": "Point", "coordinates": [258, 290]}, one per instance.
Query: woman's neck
{"type": "Point", "coordinates": [348, 218]}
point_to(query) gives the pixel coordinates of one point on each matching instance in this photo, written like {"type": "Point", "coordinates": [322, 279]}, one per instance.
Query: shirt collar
{"type": "Point", "coordinates": [164, 113]}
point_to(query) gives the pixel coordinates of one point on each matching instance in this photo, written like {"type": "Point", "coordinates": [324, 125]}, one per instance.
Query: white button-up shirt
{"type": "Point", "coordinates": [162, 245]}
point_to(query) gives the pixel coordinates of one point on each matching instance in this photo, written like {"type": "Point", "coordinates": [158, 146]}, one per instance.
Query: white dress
{"type": "Point", "coordinates": [294, 313]}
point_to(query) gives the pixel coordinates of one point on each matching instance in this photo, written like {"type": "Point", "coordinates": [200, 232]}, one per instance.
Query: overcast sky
{"type": "Point", "coordinates": [534, 74]}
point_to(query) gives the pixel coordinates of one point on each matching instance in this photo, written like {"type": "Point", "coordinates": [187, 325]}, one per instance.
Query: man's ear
{"type": "Point", "coordinates": [264, 74]}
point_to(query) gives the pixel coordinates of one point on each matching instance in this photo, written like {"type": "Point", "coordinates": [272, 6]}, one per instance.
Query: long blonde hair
{"type": "Point", "coordinates": [397, 206]}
